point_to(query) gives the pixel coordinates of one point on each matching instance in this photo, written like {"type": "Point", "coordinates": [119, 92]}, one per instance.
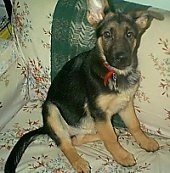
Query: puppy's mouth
{"type": "Point", "coordinates": [120, 62]}
{"type": "Point", "coordinates": [120, 65]}
{"type": "Point", "coordinates": [121, 68]}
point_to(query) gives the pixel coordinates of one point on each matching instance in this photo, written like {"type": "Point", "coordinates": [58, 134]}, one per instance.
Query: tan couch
{"type": "Point", "coordinates": [25, 67]}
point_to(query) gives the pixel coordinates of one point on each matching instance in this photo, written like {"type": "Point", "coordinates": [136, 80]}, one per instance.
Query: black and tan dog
{"type": "Point", "coordinates": [92, 87]}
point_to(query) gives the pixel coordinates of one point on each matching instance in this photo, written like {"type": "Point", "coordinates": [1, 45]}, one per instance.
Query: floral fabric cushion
{"type": "Point", "coordinates": [153, 97]}
{"type": "Point", "coordinates": [32, 22]}
{"type": "Point", "coordinates": [43, 156]}
{"type": "Point", "coordinates": [25, 59]}
{"type": "Point", "coordinates": [13, 94]}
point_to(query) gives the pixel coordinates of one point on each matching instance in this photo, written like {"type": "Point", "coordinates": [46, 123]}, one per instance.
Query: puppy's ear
{"type": "Point", "coordinates": [143, 19]}
{"type": "Point", "coordinates": [96, 10]}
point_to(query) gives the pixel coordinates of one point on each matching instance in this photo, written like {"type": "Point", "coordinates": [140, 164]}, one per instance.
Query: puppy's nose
{"type": "Point", "coordinates": [120, 56]}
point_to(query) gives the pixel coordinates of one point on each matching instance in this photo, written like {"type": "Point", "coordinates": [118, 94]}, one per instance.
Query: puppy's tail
{"type": "Point", "coordinates": [19, 149]}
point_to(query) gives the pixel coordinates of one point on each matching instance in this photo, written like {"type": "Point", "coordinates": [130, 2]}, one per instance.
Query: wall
{"type": "Point", "coordinates": [163, 4]}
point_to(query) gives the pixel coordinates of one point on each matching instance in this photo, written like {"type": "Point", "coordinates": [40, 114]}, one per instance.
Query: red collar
{"type": "Point", "coordinates": [110, 73]}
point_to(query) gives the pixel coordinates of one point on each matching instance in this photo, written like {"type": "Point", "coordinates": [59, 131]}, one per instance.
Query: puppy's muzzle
{"type": "Point", "coordinates": [120, 60]}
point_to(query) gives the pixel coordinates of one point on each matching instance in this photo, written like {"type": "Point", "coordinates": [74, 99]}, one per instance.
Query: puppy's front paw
{"type": "Point", "coordinates": [81, 166]}
{"type": "Point", "coordinates": [150, 145]}
{"type": "Point", "coordinates": [126, 160]}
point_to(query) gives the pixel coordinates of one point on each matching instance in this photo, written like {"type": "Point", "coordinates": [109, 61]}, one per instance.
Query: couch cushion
{"type": "Point", "coordinates": [13, 88]}
{"type": "Point", "coordinates": [43, 156]}
{"type": "Point", "coordinates": [153, 97]}
{"type": "Point", "coordinates": [32, 33]}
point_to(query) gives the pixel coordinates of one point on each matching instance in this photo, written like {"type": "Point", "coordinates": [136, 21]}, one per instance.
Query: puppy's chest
{"type": "Point", "coordinates": [109, 104]}
{"type": "Point", "coordinates": [114, 103]}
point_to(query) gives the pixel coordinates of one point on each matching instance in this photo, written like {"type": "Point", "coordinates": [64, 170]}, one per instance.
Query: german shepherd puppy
{"type": "Point", "coordinates": [91, 88]}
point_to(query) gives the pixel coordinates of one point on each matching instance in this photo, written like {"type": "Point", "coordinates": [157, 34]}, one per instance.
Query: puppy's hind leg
{"type": "Point", "coordinates": [83, 139]}
{"type": "Point", "coordinates": [56, 130]}
{"type": "Point", "coordinates": [86, 138]}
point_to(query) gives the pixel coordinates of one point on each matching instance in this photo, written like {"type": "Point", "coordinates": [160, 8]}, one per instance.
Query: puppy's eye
{"type": "Point", "coordinates": [129, 34]}
{"type": "Point", "coordinates": [107, 34]}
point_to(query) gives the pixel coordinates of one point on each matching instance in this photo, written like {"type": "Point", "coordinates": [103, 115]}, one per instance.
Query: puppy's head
{"type": "Point", "coordinates": [118, 34]}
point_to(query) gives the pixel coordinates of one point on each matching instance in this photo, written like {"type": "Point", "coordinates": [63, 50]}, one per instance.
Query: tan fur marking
{"type": "Point", "coordinates": [82, 139]}
{"type": "Point", "coordinates": [112, 103]}
{"type": "Point", "coordinates": [129, 117]}
{"type": "Point", "coordinates": [100, 45]}
{"type": "Point", "coordinates": [107, 103]}
{"type": "Point", "coordinates": [55, 121]}
{"type": "Point", "coordinates": [112, 145]}
{"type": "Point", "coordinates": [79, 164]}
